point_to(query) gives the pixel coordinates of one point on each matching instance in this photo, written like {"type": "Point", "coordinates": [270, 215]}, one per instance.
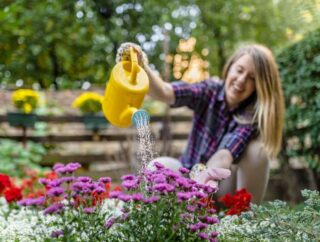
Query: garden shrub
{"type": "Point", "coordinates": [275, 221]}
{"type": "Point", "coordinates": [299, 66]}
{"type": "Point", "coordinates": [16, 159]}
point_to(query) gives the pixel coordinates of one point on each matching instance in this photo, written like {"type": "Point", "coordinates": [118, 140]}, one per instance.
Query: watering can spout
{"type": "Point", "coordinates": [140, 118]}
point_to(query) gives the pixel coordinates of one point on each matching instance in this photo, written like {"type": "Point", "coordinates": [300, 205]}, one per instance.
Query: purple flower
{"type": "Point", "coordinates": [186, 216]}
{"type": "Point", "coordinates": [38, 201]}
{"type": "Point", "coordinates": [214, 234]}
{"type": "Point", "coordinates": [105, 179]}
{"type": "Point", "coordinates": [193, 227]}
{"type": "Point", "coordinates": [128, 177]}
{"type": "Point", "coordinates": [69, 168]}
{"type": "Point", "coordinates": [80, 187]}
{"type": "Point", "coordinates": [159, 178]}
{"type": "Point", "coordinates": [201, 225]}
{"type": "Point", "coordinates": [130, 184]}
{"type": "Point", "coordinates": [73, 166]}
{"type": "Point", "coordinates": [212, 211]}
{"type": "Point", "coordinates": [152, 199]}
{"type": "Point", "coordinates": [183, 182]}
{"type": "Point", "coordinates": [32, 201]}
{"type": "Point", "coordinates": [44, 181]}
{"type": "Point", "coordinates": [200, 195]}
{"type": "Point", "coordinates": [212, 220]}
{"type": "Point", "coordinates": [137, 196]}
{"type": "Point", "coordinates": [197, 226]}
{"type": "Point", "coordinates": [56, 234]}
{"type": "Point", "coordinates": [67, 179]}
{"type": "Point", "coordinates": [158, 165]}
{"type": "Point", "coordinates": [200, 186]}
{"type": "Point", "coordinates": [61, 170]}
{"type": "Point", "coordinates": [55, 183]}
{"type": "Point", "coordinates": [184, 170]}
{"type": "Point", "coordinates": [115, 194]}
{"type": "Point", "coordinates": [24, 202]}
{"type": "Point", "coordinates": [184, 196]}
{"type": "Point", "coordinates": [124, 216]}
{"type": "Point", "coordinates": [89, 210]}
{"type": "Point", "coordinates": [213, 240]}
{"type": "Point", "coordinates": [163, 187]}
{"type": "Point", "coordinates": [191, 208]}
{"type": "Point", "coordinates": [109, 222]}
{"type": "Point", "coordinates": [124, 197]}
{"type": "Point", "coordinates": [99, 190]}
{"type": "Point", "coordinates": [203, 235]}
{"type": "Point", "coordinates": [85, 179]}
{"type": "Point", "coordinates": [209, 189]}
{"type": "Point", "coordinates": [201, 204]}
{"type": "Point", "coordinates": [55, 191]}
{"type": "Point", "coordinates": [172, 174]}
{"type": "Point", "coordinates": [95, 185]}
{"type": "Point", "coordinates": [57, 166]}
{"type": "Point", "coordinates": [53, 208]}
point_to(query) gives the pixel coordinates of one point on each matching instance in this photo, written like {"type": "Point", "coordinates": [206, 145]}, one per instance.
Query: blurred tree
{"type": "Point", "coordinates": [53, 43]}
{"type": "Point", "coordinates": [225, 24]}
{"type": "Point", "coordinates": [70, 44]}
{"type": "Point", "coordinates": [147, 23]}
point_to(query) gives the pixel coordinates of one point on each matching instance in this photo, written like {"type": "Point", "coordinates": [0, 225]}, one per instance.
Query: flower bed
{"type": "Point", "coordinates": [157, 205]}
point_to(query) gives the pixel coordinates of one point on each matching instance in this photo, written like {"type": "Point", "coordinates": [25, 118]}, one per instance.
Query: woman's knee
{"type": "Point", "coordinates": [254, 155]}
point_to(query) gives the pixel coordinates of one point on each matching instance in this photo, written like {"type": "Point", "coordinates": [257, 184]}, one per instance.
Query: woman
{"type": "Point", "coordinates": [237, 123]}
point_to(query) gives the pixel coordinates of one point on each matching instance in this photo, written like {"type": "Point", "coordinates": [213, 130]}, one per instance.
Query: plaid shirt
{"type": "Point", "coordinates": [214, 126]}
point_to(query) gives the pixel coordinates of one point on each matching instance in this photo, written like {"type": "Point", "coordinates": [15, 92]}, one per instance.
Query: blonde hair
{"type": "Point", "coordinates": [269, 107]}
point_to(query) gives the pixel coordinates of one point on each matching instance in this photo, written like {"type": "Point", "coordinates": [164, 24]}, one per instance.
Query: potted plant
{"type": "Point", "coordinates": [25, 101]}
{"type": "Point", "coordinates": [90, 104]}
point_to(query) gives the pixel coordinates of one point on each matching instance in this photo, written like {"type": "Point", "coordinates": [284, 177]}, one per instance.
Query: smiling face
{"type": "Point", "coordinates": [240, 81]}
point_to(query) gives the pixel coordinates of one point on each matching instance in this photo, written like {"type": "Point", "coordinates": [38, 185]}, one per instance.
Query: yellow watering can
{"type": "Point", "coordinates": [124, 94]}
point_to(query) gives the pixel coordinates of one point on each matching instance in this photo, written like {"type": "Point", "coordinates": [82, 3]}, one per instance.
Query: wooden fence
{"type": "Point", "coordinates": [285, 183]}
{"type": "Point", "coordinates": [122, 158]}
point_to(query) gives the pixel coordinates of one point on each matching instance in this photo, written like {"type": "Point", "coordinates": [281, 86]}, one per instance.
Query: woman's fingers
{"type": "Point", "coordinates": [219, 173]}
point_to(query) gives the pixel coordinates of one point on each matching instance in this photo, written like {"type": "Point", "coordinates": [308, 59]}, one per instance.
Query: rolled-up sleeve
{"type": "Point", "coordinates": [237, 140]}
{"type": "Point", "coordinates": [194, 95]}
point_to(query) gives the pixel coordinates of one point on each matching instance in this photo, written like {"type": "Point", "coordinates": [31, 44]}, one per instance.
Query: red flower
{"type": "Point", "coordinates": [210, 203]}
{"type": "Point", "coordinates": [237, 203]}
{"type": "Point", "coordinates": [51, 175]}
{"type": "Point", "coordinates": [35, 194]}
{"type": "Point", "coordinates": [227, 200]}
{"type": "Point", "coordinates": [98, 198]}
{"type": "Point", "coordinates": [13, 194]}
{"type": "Point", "coordinates": [4, 182]}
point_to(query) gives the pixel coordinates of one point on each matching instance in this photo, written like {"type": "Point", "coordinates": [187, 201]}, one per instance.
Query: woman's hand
{"type": "Point", "coordinates": [123, 54]}
{"type": "Point", "coordinates": [158, 89]}
{"type": "Point", "coordinates": [211, 176]}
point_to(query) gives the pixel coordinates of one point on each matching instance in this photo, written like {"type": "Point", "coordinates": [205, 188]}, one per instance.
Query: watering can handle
{"type": "Point", "coordinates": [134, 66]}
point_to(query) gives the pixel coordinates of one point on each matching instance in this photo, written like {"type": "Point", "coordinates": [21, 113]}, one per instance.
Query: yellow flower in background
{"type": "Point", "coordinates": [88, 102]}
{"type": "Point", "coordinates": [25, 100]}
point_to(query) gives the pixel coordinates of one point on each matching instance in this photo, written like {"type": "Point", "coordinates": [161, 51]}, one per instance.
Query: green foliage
{"type": "Point", "coordinates": [225, 24]}
{"type": "Point", "coordinates": [65, 43]}
{"type": "Point", "coordinates": [275, 221]}
{"type": "Point", "coordinates": [15, 158]}
{"type": "Point", "coordinates": [300, 70]}
{"type": "Point", "coordinates": [53, 43]}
